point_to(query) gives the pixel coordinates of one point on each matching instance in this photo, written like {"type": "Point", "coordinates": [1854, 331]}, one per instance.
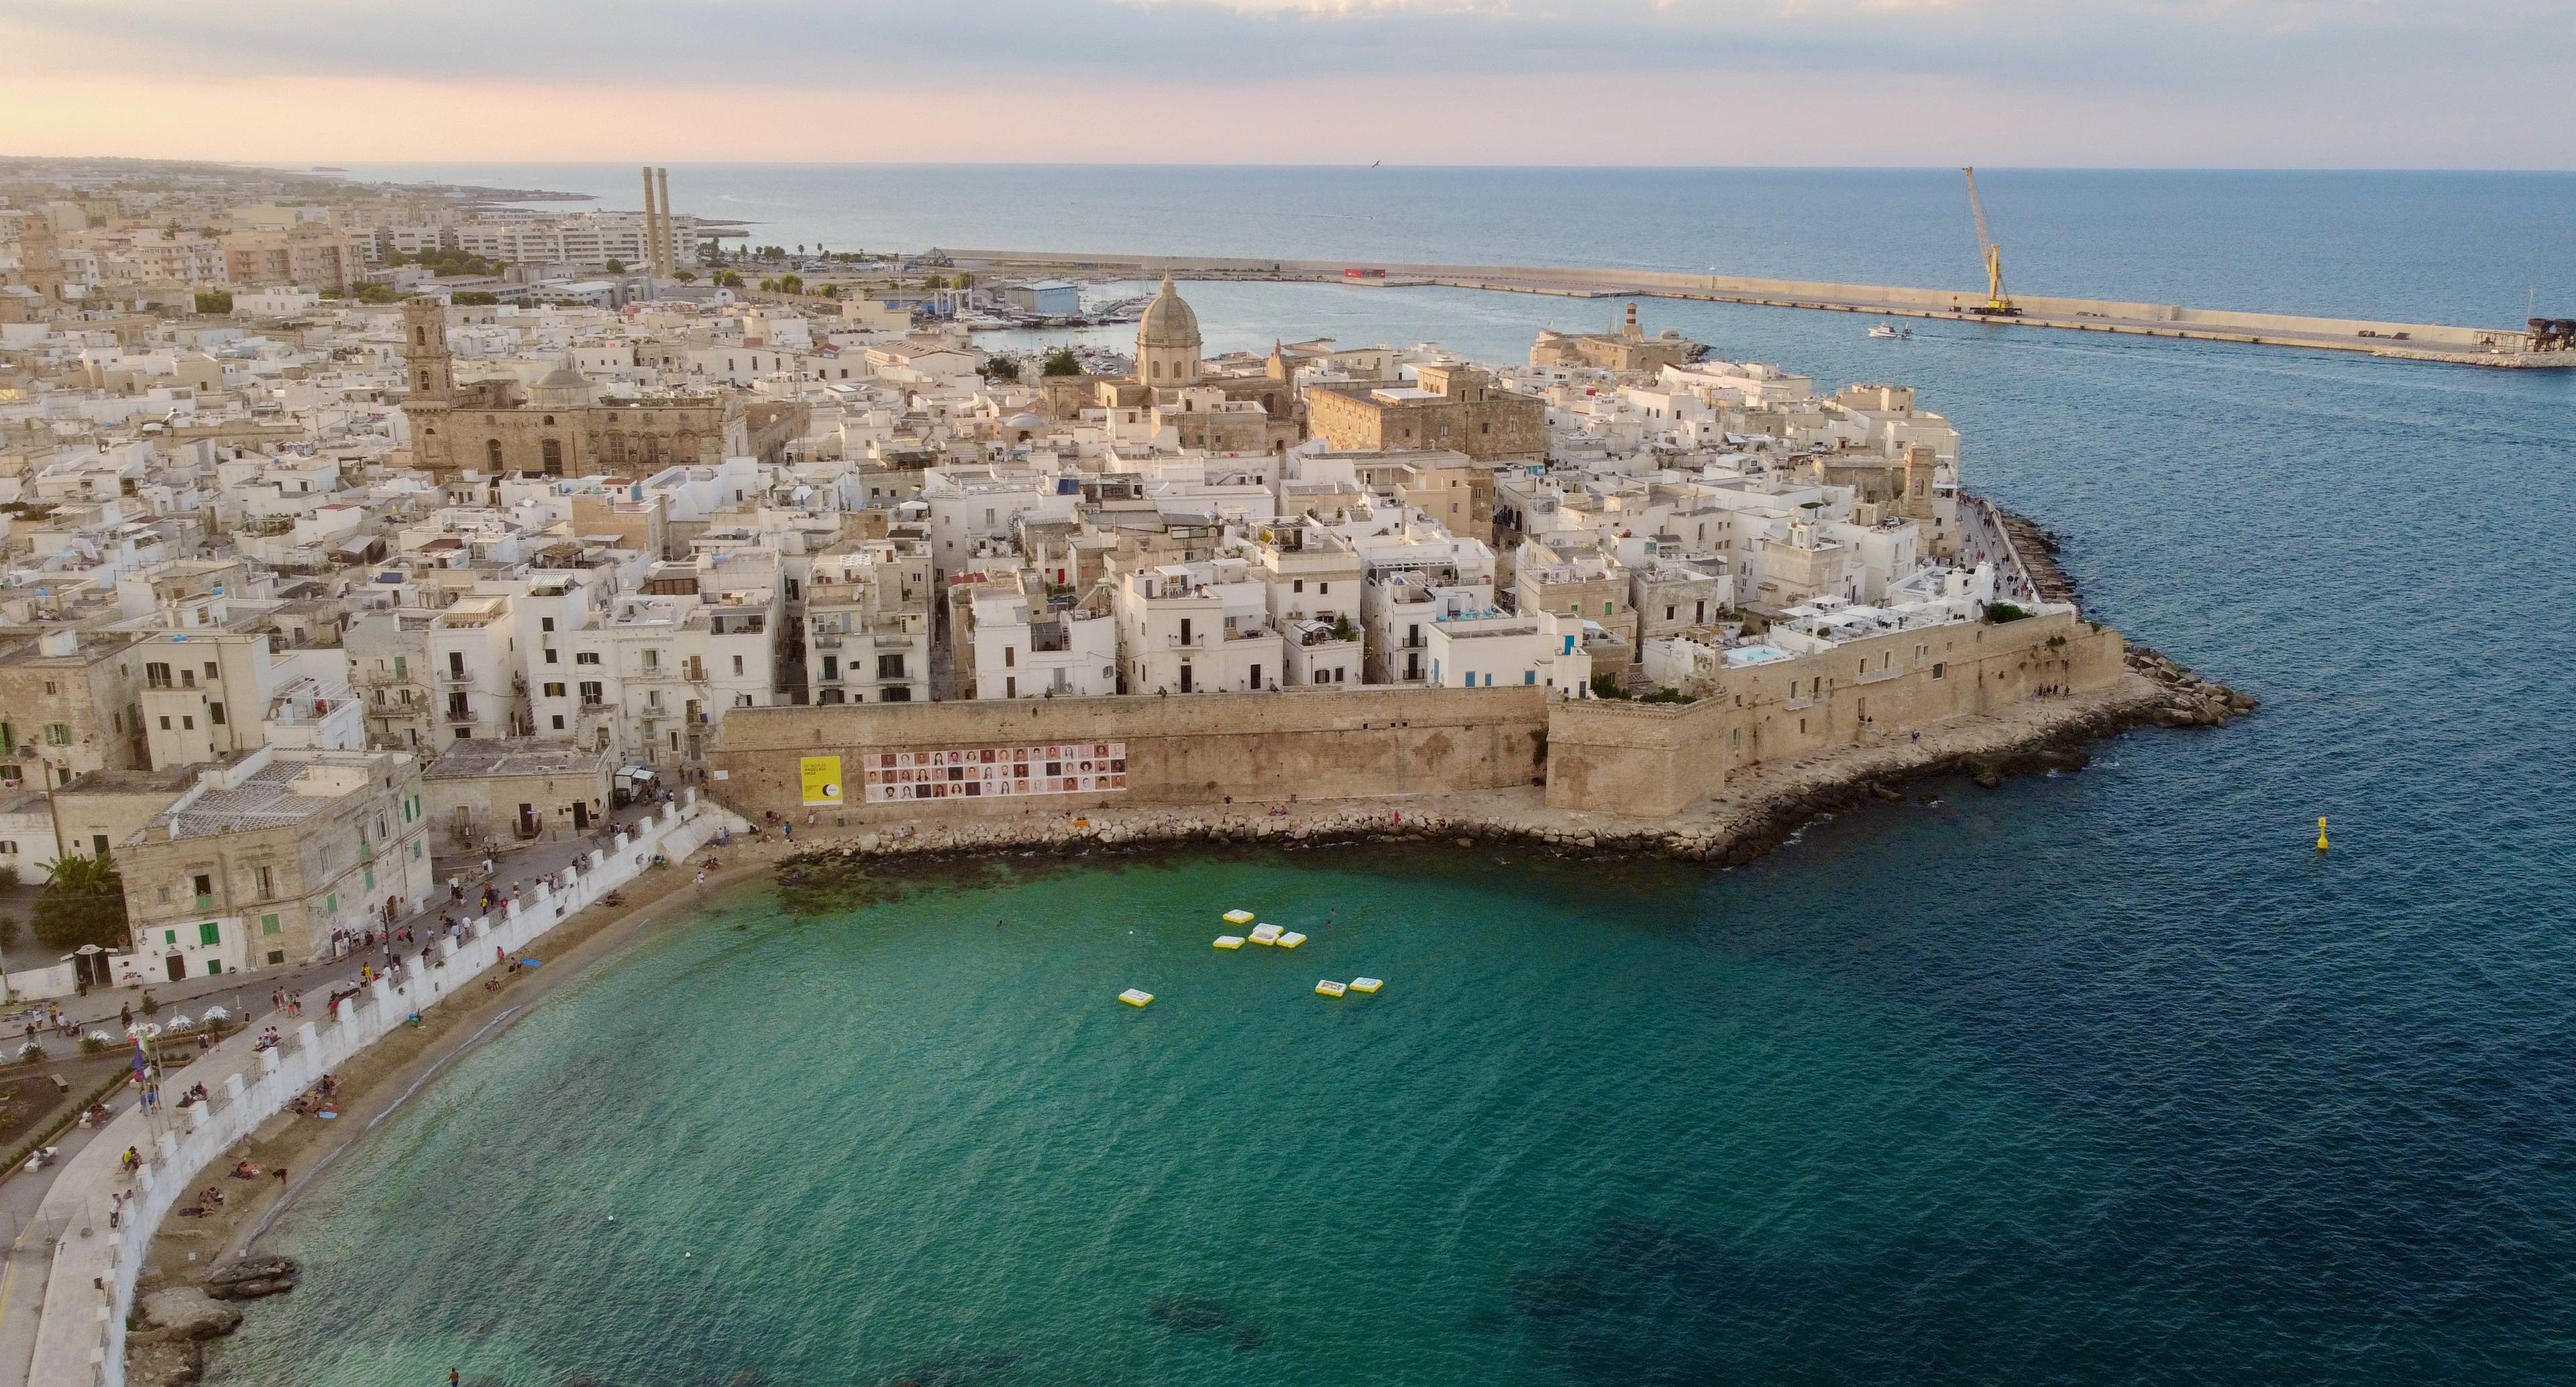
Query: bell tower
{"type": "Point", "coordinates": [431, 372]}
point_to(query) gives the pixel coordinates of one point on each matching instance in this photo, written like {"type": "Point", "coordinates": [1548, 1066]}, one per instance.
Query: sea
{"type": "Point", "coordinates": [2103, 1077]}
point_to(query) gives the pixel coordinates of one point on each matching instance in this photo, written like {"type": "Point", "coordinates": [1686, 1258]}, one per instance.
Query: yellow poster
{"type": "Point", "coordinates": [822, 779]}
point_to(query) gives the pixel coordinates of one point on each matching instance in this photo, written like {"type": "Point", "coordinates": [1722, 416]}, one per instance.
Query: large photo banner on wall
{"type": "Point", "coordinates": [985, 772]}
{"type": "Point", "coordinates": [821, 778]}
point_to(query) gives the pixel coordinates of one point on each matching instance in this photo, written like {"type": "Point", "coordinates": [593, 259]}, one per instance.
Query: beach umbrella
{"type": "Point", "coordinates": [216, 1014]}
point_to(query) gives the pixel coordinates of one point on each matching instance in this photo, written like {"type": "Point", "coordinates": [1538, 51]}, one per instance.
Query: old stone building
{"type": "Point", "coordinates": [560, 428]}
{"type": "Point", "coordinates": [1455, 407]}
{"type": "Point", "coordinates": [1250, 410]}
{"type": "Point", "coordinates": [1628, 349]}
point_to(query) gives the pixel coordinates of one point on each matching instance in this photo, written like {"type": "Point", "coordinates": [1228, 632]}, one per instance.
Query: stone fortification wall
{"type": "Point", "coordinates": [1613, 757]}
{"type": "Point", "coordinates": [1193, 749]}
{"type": "Point", "coordinates": [1660, 759]}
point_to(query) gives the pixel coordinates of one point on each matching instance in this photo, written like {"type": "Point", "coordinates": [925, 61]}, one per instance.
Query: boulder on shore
{"type": "Point", "coordinates": [252, 1277]}
{"type": "Point", "coordinates": [185, 1312]}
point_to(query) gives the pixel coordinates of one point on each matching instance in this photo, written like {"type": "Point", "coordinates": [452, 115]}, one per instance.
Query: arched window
{"type": "Point", "coordinates": [553, 452]}
{"type": "Point", "coordinates": [420, 337]}
{"type": "Point", "coordinates": [685, 448]}
{"type": "Point", "coordinates": [424, 382]}
{"type": "Point", "coordinates": [550, 421]}
{"type": "Point", "coordinates": [1158, 370]}
{"type": "Point", "coordinates": [492, 450]}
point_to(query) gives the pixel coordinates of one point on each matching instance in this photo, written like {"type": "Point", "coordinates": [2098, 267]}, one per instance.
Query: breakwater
{"type": "Point", "coordinates": [2430, 342]}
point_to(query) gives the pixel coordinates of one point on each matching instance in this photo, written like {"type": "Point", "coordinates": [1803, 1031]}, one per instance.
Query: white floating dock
{"type": "Point", "coordinates": [1330, 988]}
{"type": "Point", "coordinates": [1238, 917]}
{"type": "Point", "coordinates": [1135, 996]}
{"type": "Point", "coordinates": [1366, 984]}
{"type": "Point", "coordinates": [1265, 934]}
{"type": "Point", "coordinates": [1291, 939]}
{"type": "Point", "coordinates": [1229, 941]}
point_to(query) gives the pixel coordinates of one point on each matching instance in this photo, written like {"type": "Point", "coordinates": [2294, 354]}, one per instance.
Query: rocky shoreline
{"type": "Point", "coordinates": [1734, 829]}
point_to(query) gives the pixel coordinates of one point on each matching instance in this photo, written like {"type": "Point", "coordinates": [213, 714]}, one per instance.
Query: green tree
{"type": "Point", "coordinates": [1061, 362]}
{"type": "Point", "coordinates": [791, 284]}
{"type": "Point", "coordinates": [1001, 368]}
{"type": "Point", "coordinates": [214, 300]}
{"type": "Point", "coordinates": [728, 279]}
{"type": "Point", "coordinates": [473, 298]}
{"type": "Point", "coordinates": [965, 281]}
{"type": "Point", "coordinates": [83, 902]}
{"type": "Point", "coordinates": [935, 282]}
{"type": "Point", "coordinates": [379, 293]}
{"type": "Point", "coordinates": [616, 266]}
{"type": "Point", "coordinates": [685, 276]}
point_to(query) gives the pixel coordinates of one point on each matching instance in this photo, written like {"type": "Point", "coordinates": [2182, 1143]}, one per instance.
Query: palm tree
{"type": "Point", "coordinates": [83, 902]}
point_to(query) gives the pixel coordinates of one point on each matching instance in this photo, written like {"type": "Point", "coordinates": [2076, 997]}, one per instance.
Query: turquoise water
{"type": "Point", "coordinates": [2105, 1077]}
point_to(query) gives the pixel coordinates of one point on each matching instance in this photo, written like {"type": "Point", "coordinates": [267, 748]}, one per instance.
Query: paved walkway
{"type": "Point", "coordinates": [25, 1263]}
{"type": "Point", "coordinates": [237, 991]}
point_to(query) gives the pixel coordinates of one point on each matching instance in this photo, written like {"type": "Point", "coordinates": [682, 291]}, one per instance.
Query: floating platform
{"type": "Point", "coordinates": [1135, 996]}
{"type": "Point", "coordinates": [1291, 939]}
{"type": "Point", "coordinates": [1366, 984]}
{"type": "Point", "coordinates": [1237, 917]}
{"type": "Point", "coordinates": [1265, 934]}
{"type": "Point", "coordinates": [1330, 988]}
{"type": "Point", "coordinates": [1229, 941]}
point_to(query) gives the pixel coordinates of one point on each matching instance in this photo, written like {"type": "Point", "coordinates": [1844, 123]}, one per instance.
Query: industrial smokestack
{"type": "Point", "coordinates": [670, 241]}
{"type": "Point", "coordinates": [652, 243]}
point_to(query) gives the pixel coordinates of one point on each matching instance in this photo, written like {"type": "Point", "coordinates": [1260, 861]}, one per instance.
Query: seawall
{"type": "Point", "coordinates": [2439, 342]}
{"type": "Point", "coordinates": [89, 1286]}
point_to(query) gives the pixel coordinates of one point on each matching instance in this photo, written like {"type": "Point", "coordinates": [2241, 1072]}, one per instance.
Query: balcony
{"type": "Point", "coordinates": [456, 676]}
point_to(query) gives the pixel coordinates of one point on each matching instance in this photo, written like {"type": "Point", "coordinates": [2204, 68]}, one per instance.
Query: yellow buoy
{"type": "Point", "coordinates": [2321, 833]}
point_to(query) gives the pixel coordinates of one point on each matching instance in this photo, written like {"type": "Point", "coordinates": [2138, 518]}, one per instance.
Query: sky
{"type": "Point", "coordinates": [1873, 83]}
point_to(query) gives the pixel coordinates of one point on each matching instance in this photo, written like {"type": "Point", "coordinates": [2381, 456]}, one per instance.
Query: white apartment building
{"type": "Point", "coordinates": [1024, 647]}
{"type": "Point", "coordinates": [867, 623]}
{"type": "Point", "coordinates": [1197, 628]}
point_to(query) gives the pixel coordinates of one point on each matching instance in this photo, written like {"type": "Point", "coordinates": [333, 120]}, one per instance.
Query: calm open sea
{"type": "Point", "coordinates": [2100, 1078]}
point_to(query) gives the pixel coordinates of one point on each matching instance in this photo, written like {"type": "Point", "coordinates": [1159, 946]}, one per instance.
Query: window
{"type": "Point", "coordinates": [399, 670]}
{"type": "Point", "coordinates": [204, 884]}
{"type": "Point", "coordinates": [590, 693]}
{"type": "Point", "coordinates": [545, 623]}
{"type": "Point", "coordinates": [371, 878]}
{"type": "Point", "coordinates": [215, 714]}
{"type": "Point", "coordinates": [492, 452]}
{"type": "Point", "coordinates": [165, 722]}
{"type": "Point", "coordinates": [263, 881]}
{"type": "Point", "coordinates": [737, 664]}
{"type": "Point", "coordinates": [1298, 585]}
{"type": "Point", "coordinates": [550, 654]}
{"type": "Point", "coordinates": [210, 933]}
{"type": "Point", "coordinates": [187, 722]}
{"type": "Point", "coordinates": [555, 690]}
{"type": "Point", "coordinates": [586, 657]}
{"type": "Point", "coordinates": [268, 925]}
{"type": "Point", "coordinates": [1939, 669]}
{"type": "Point", "coordinates": [558, 720]}
{"type": "Point", "coordinates": [58, 734]}
{"type": "Point", "coordinates": [331, 903]}
{"type": "Point", "coordinates": [7, 848]}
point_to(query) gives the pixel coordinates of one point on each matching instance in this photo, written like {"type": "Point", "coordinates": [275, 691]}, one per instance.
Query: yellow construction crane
{"type": "Point", "coordinates": [1997, 301]}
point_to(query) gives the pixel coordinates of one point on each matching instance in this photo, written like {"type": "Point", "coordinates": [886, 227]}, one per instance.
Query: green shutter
{"type": "Point", "coordinates": [268, 924]}
{"type": "Point", "coordinates": [371, 878]}
{"type": "Point", "coordinates": [331, 902]}
{"type": "Point", "coordinates": [210, 933]}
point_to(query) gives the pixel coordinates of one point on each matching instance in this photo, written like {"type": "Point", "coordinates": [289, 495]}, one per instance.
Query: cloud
{"type": "Point", "coordinates": [1623, 81]}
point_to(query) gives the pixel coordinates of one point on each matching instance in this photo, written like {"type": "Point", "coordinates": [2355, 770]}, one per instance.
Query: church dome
{"type": "Point", "coordinates": [1168, 321]}
{"type": "Point", "coordinates": [564, 386]}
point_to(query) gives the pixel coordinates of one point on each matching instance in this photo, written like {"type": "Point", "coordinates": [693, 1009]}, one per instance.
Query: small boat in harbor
{"type": "Point", "coordinates": [1891, 330]}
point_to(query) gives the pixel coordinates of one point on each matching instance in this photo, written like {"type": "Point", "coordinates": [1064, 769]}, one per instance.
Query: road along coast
{"type": "Point", "coordinates": [109, 1213]}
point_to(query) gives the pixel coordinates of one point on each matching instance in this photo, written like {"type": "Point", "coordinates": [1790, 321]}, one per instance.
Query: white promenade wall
{"type": "Point", "coordinates": [80, 1336]}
